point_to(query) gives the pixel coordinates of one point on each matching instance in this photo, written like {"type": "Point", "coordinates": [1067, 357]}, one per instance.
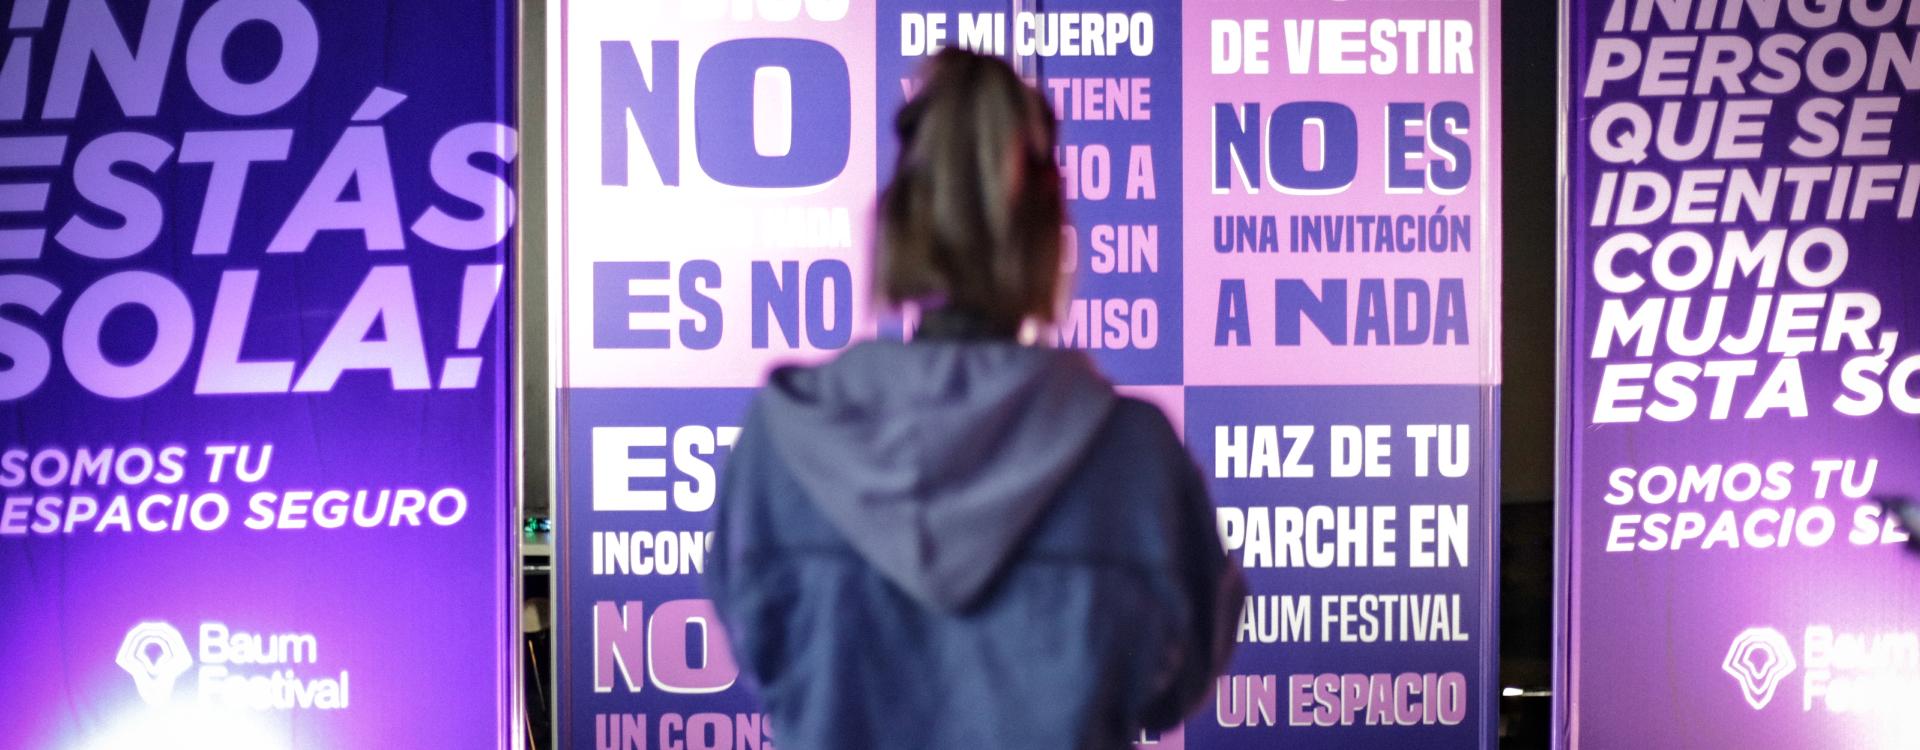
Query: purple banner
{"type": "Point", "coordinates": [716, 167]}
{"type": "Point", "coordinates": [1740, 400]}
{"type": "Point", "coordinates": [254, 375]}
{"type": "Point", "coordinates": [1342, 256]}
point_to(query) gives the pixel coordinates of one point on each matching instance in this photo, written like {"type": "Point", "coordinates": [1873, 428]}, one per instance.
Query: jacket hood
{"type": "Point", "coordinates": [935, 458]}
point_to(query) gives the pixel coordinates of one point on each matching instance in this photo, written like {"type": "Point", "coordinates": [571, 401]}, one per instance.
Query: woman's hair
{"type": "Point", "coordinates": [972, 219]}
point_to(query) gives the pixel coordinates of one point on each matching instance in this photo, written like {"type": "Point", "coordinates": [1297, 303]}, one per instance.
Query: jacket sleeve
{"type": "Point", "coordinates": [728, 578]}
{"type": "Point", "coordinates": [1213, 591]}
{"type": "Point", "coordinates": [720, 575]}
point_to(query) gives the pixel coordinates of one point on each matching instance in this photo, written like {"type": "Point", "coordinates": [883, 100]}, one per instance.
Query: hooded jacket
{"type": "Point", "coordinates": [967, 544]}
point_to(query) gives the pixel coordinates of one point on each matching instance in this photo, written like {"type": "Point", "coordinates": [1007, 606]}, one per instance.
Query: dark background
{"type": "Point", "coordinates": [1530, 88]}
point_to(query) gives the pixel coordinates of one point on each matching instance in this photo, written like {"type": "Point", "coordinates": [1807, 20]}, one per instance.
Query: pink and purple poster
{"type": "Point", "coordinates": [1342, 265]}
{"type": "Point", "coordinates": [1285, 233]}
{"type": "Point", "coordinates": [1739, 398]}
{"type": "Point", "coordinates": [255, 367]}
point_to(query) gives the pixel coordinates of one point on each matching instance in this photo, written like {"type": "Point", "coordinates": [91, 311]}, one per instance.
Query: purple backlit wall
{"type": "Point", "coordinates": [1286, 234]}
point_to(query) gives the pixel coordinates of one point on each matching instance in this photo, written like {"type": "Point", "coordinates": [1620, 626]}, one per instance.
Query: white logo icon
{"type": "Point", "coordinates": [156, 656]}
{"type": "Point", "coordinates": [1759, 659]}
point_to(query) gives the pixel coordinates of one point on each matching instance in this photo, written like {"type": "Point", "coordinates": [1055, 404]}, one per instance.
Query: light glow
{"type": "Point", "coordinates": [186, 727]}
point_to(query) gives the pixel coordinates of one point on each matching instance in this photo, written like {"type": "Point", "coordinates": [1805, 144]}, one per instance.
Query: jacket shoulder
{"type": "Point", "coordinates": [1137, 460]}
{"type": "Point", "coordinates": [1141, 423]}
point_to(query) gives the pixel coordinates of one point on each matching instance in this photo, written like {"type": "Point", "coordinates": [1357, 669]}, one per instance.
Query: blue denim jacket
{"type": "Point", "coordinates": [967, 544]}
